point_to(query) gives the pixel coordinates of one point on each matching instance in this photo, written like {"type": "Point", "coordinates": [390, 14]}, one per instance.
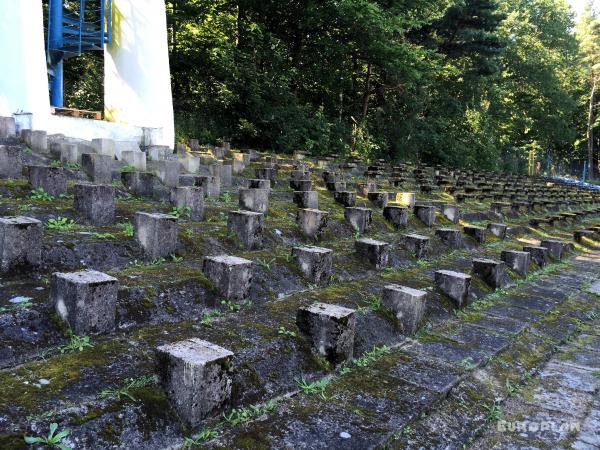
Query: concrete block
{"type": "Point", "coordinates": [379, 199]}
{"type": "Point", "coordinates": [98, 167]}
{"type": "Point", "coordinates": [159, 153]}
{"type": "Point", "coordinates": [330, 329]}
{"type": "Point", "coordinates": [197, 378]}
{"type": "Point", "coordinates": [364, 188]}
{"type": "Point", "coordinates": [53, 180]}
{"type": "Point", "coordinates": [265, 173]}
{"type": "Point", "coordinates": [425, 214]}
{"type": "Point", "coordinates": [8, 127]}
{"type": "Point", "coordinates": [450, 212]}
{"type": "Point", "coordinates": [454, 285]}
{"type": "Point", "coordinates": [345, 198]}
{"type": "Point", "coordinates": [86, 300]}
{"type": "Point", "coordinates": [498, 229]}
{"type": "Point", "coordinates": [95, 202]}
{"type": "Point", "coordinates": [138, 183]}
{"type": "Point", "coordinates": [416, 244]}
{"type": "Point", "coordinates": [312, 222]}
{"type": "Point", "coordinates": [406, 199]}
{"type": "Point", "coordinates": [211, 185]}
{"type": "Point", "coordinates": [231, 276]}
{"type": "Point", "coordinates": [490, 271]}
{"type": "Point", "coordinates": [306, 199]}
{"type": "Point", "coordinates": [105, 147]}
{"type": "Point", "coordinates": [20, 242]}
{"type": "Point", "coordinates": [125, 146]}
{"type": "Point", "coordinates": [301, 185]}
{"type": "Point", "coordinates": [517, 261]}
{"type": "Point", "coordinates": [35, 139]}
{"type": "Point", "coordinates": [407, 305]}
{"type": "Point", "coordinates": [358, 218]}
{"type": "Point", "coordinates": [450, 237]}
{"type": "Point", "coordinates": [168, 173]}
{"type": "Point", "coordinates": [189, 164]}
{"type": "Point", "coordinates": [11, 161]}
{"type": "Point", "coordinates": [539, 255]}
{"type": "Point", "coordinates": [396, 215]}
{"type": "Point", "coordinates": [248, 228]}
{"type": "Point", "coordinates": [376, 252]}
{"type": "Point", "coordinates": [315, 263]}
{"type": "Point", "coordinates": [156, 234]}
{"type": "Point", "coordinates": [581, 235]}
{"type": "Point", "coordinates": [256, 183]}
{"type": "Point", "coordinates": [191, 199]}
{"type": "Point", "coordinates": [136, 159]}
{"type": "Point", "coordinates": [256, 200]}
{"type": "Point", "coordinates": [555, 247]}
{"type": "Point", "coordinates": [477, 233]}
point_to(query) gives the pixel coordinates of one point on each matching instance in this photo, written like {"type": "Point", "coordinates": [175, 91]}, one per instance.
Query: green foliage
{"type": "Point", "coordinates": [181, 211]}
{"type": "Point", "coordinates": [265, 264]}
{"type": "Point", "coordinates": [61, 224]}
{"type": "Point", "coordinates": [127, 228]}
{"type": "Point", "coordinates": [103, 235]}
{"type": "Point", "coordinates": [204, 435]}
{"type": "Point", "coordinates": [242, 415]}
{"type": "Point", "coordinates": [315, 387]}
{"type": "Point", "coordinates": [285, 332]}
{"type": "Point", "coordinates": [53, 439]}
{"type": "Point", "coordinates": [125, 390]}
{"type": "Point", "coordinates": [41, 195]}
{"type": "Point", "coordinates": [128, 168]}
{"type": "Point", "coordinates": [75, 344]}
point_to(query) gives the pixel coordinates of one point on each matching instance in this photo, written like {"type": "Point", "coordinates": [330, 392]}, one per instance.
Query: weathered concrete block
{"type": "Point", "coordinates": [517, 261]}
{"type": "Point", "coordinates": [265, 173]}
{"type": "Point", "coordinates": [426, 214]}
{"type": "Point", "coordinates": [345, 198]}
{"type": "Point", "coordinates": [358, 218]}
{"type": "Point", "coordinates": [490, 271]}
{"type": "Point", "coordinates": [189, 163]}
{"type": "Point", "coordinates": [138, 183]}
{"type": "Point", "coordinates": [450, 237]}
{"type": "Point", "coordinates": [135, 158]}
{"type": "Point", "coordinates": [97, 167]}
{"type": "Point", "coordinates": [407, 304]}
{"type": "Point", "coordinates": [248, 227]}
{"type": "Point", "coordinates": [454, 285]}
{"type": "Point", "coordinates": [196, 376]}
{"type": "Point", "coordinates": [539, 255]}
{"type": "Point", "coordinates": [35, 139]}
{"type": "Point", "coordinates": [450, 212]}
{"type": "Point", "coordinates": [168, 173]}
{"type": "Point", "coordinates": [301, 185]}
{"type": "Point", "coordinates": [125, 146]}
{"type": "Point", "coordinates": [104, 147]}
{"type": "Point", "coordinates": [555, 247]}
{"type": "Point", "coordinates": [312, 222]}
{"type": "Point", "coordinates": [20, 242]}
{"type": "Point", "coordinates": [364, 188]}
{"type": "Point", "coordinates": [580, 235]}
{"type": "Point", "coordinates": [396, 215]}
{"type": "Point", "coordinates": [225, 174]}
{"type": "Point", "coordinates": [406, 199]}
{"type": "Point", "coordinates": [477, 233]}
{"type": "Point", "coordinates": [306, 199]}
{"type": "Point", "coordinates": [156, 233]}
{"type": "Point", "coordinates": [379, 199]}
{"type": "Point", "coordinates": [11, 161]}
{"type": "Point", "coordinates": [8, 127]}
{"type": "Point", "coordinates": [191, 198]}
{"type": "Point", "coordinates": [330, 329]}
{"type": "Point", "coordinates": [159, 153]}
{"type": "Point", "coordinates": [300, 174]}
{"type": "Point", "coordinates": [336, 186]}
{"type": "Point", "coordinates": [416, 244]}
{"type": "Point", "coordinates": [86, 300]}
{"type": "Point", "coordinates": [96, 202]}
{"type": "Point", "coordinates": [254, 183]}
{"type": "Point", "coordinates": [376, 252]}
{"type": "Point", "coordinates": [315, 263]}
{"type": "Point", "coordinates": [211, 185]}
{"type": "Point", "coordinates": [256, 200]}
{"type": "Point", "coordinates": [231, 276]}
{"type": "Point", "coordinates": [53, 180]}
{"type": "Point", "coordinates": [498, 229]}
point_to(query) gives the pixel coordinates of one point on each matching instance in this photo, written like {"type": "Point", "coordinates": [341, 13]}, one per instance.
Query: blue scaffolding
{"type": "Point", "coordinates": [78, 27]}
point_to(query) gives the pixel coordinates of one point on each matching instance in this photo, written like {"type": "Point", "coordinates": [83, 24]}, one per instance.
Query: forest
{"type": "Point", "coordinates": [493, 84]}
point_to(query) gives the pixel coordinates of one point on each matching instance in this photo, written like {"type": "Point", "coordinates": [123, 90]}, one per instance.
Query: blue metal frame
{"type": "Point", "coordinates": [70, 33]}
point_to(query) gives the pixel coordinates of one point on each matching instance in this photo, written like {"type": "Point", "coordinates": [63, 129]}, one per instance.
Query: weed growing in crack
{"type": "Point", "coordinates": [315, 387]}
{"type": "Point", "coordinates": [53, 439]}
{"type": "Point", "coordinates": [131, 383]}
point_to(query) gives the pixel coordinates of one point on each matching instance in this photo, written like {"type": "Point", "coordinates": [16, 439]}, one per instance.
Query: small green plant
{"type": "Point", "coordinates": [25, 207]}
{"type": "Point", "coordinates": [61, 224]}
{"type": "Point", "coordinates": [373, 302]}
{"type": "Point", "coordinates": [285, 332]}
{"type": "Point", "coordinates": [181, 211]}
{"type": "Point", "coordinates": [511, 389]}
{"type": "Point", "coordinates": [135, 263]}
{"type": "Point", "coordinates": [128, 168]}
{"type": "Point", "coordinates": [232, 306]}
{"type": "Point", "coordinates": [242, 415]}
{"type": "Point", "coordinates": [265, 264]}
{"type": "Point", "coordinates": [41, 195]}
{"type": "Point", "coordinates": [467, 364]}
{"type": "Point", "coordinates": [76, 343]}
{"type": "Point", "coordinates": [204, 435]}
{"type": "Point", "coordinates": [315, 387]}
{"type": "Point", "coordinates": [157, 261]}
{"type": "Point", "coordinates": [127, 228]}
{"type": "Point", "coordinates": [188, 233]}
{"type": "Point", "coordinates": [207, 318]}
{"type": "Point", "coordinates": [370, 356]}
{"type": "Point", "coordinates": [356, 235]}
{"type": "Point", "coordinates": [226, 197]}
{"type": "Point", "coordinates": [55, 163]}
{"type": "Point", "coordinates": [53, 439]}
{"type": "Point", "coordinates": [15, 307]}
{"type": "Point", "coordinates": [131, 383]}
{"type": "Point", "coordinates": [73, 165]}
{"type": "Point", "coordinates": [493, 412]}
{"type": "Point", "coordinates": [175, 258]}
{"type": "Point", "coordinates": [103, 235]}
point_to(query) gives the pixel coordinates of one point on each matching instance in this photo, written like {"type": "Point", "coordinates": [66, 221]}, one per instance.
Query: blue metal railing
{"type": "Point", "coordinates": [71, 33]}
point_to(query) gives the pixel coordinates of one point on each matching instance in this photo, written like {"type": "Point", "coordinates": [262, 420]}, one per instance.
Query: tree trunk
{"type": "Point", "coordinates": [366, 95]}
{"type": "Point", "coordinates": [590, 130]}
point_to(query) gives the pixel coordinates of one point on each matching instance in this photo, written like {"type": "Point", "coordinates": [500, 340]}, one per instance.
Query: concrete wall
{"type": "Point", "coordinates": [137, 79]}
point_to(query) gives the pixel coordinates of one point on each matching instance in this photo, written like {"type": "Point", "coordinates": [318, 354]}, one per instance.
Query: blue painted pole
{"type": "Point", "coordinates": [55, 38]}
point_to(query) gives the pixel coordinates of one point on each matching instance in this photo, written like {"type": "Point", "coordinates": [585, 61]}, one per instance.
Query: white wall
{"type": "Point", "coordinates": [23, 75]}
{"type": "Point", "coordinates": [137, 80]}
